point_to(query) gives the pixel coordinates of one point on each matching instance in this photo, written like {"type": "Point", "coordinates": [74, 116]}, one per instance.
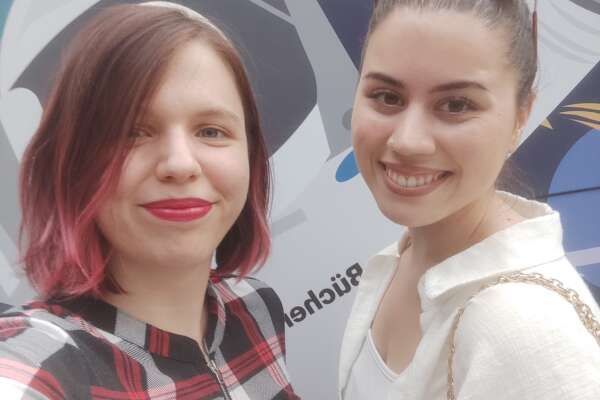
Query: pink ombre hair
{"type": "Point", "coordinates": [73, 161]}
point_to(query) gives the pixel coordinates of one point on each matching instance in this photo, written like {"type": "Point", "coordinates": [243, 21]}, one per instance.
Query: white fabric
{"type": "Point", "coordinates": [370, 377]}
{"type": "Point", "coordinates": [515, 342]}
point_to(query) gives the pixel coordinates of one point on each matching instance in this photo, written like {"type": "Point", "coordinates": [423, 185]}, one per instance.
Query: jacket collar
{"type": "Point", "coordinates": [99, 317]}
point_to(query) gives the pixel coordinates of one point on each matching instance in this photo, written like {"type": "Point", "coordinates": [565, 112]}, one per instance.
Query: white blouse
{"type": "Point", "coordinates": [516, 341]}
{"type": "Point", "coordinates": [370, 377]}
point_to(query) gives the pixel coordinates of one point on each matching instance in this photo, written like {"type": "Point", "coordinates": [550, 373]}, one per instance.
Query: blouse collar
{"type": "Point", "coordinates": [536, 240]}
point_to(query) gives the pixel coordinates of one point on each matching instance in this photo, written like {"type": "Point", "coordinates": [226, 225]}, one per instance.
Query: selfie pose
{"type": "Point", "coordinates": [144, 195]}
{"type": "Point", "coordinates": [476, 300]}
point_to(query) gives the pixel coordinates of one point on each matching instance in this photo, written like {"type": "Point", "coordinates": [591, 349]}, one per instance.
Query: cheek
{"type": "Point", "coordinates": [230, 173]}
{"type": "Point", "coordinates": [369, 133]}
{"type": "Point", "coordinates": [137, 166]}
{"type": "Point", "coordinates": [114, 213]}
{"type": "Point", "coordinates": [109, 221]}
{"type": "Point", "coordinates": [478, 150]}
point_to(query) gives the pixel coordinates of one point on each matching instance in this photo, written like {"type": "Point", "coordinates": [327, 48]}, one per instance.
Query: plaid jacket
{"type": "Point", "coordinates": [88, 349]}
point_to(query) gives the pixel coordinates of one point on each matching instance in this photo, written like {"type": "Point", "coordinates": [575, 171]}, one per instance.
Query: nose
{"type": "Point", "coordinates": [412, 134]}
{"type": "Point", "coordinates": [178, 160]}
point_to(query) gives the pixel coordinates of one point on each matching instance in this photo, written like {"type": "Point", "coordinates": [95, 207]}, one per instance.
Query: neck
{"type": "Point", "coordinates": [432, 244]}
{"type": "Point", "coordinates": [171, 299]}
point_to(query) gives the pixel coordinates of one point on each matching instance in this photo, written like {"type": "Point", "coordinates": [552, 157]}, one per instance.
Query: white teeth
{"type": "Point", "coordinates": [413, 181]}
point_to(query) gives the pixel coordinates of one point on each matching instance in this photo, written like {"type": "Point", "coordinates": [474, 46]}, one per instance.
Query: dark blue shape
{"type": "Point", "coordinates": [580, 166]}
{"type": "Point", "coordinates": [279, 4]}
{"type": "Point", "coordinates": [347, 169]}
{"type": "Point", "coordinates": [350, 20]}
{"type": "Point", "coordinates": [590, 5]}
{"type": "Point", "coordinates": [541, 154]}
{"type": "Point", "coordinates": [580, 215]}
{"type": "Point", "coordinates": [591, 275]}
{"type": "Point", "coordinates": [580, 211]}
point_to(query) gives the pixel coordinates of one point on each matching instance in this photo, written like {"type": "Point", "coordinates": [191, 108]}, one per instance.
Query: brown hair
{"type": "Point", "coordinates": [74, 160]}
{"type": "Point", "coordinates": [513, 15]}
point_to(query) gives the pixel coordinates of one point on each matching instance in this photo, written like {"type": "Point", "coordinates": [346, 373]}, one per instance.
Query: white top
{"type": "Point", "coordinates": [370, 377]}
{"type": "Point", "coordinates": [515, 341]}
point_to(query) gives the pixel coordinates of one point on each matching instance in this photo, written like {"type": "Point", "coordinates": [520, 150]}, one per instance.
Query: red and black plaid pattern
{"type": "Point", "coordinates": [88, 349]}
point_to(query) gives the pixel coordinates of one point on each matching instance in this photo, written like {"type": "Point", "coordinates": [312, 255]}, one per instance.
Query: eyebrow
{"type": "Point", "coordinates": [213, 112]}
{"type": "Point", "coordinates": [440, 88]}
{"type": "Point", "coordinates": [378, 76]}
{"type": "Point", "coordinates": [219, 112]}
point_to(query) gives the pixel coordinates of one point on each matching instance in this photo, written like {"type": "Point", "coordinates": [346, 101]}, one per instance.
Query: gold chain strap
{"type": "Point", "coordinates": [583, 310]}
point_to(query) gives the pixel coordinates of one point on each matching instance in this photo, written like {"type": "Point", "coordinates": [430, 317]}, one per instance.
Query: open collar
{"type": "Point", "coordinates": [536, 240]}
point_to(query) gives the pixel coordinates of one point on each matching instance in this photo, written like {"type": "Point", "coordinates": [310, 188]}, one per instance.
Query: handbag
{"type": "Point", "coordinates": [583, 311]}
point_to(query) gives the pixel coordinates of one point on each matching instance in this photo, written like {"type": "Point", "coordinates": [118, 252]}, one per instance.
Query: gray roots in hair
{"type": "Point", "coordinates": [513, 16]}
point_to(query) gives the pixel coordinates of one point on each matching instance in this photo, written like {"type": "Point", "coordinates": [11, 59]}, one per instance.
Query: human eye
{"type": "Point", "coordinates": [140, 133]}
{"type": "Point", "coordinates": [456, 105]}
{"type": "Point", "coordinates": [386, 98]}
{"type": "Point", "coordinates": [211, 132]}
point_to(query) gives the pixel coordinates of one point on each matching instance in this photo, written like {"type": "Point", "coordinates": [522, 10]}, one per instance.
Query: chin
{"type": "Point", "coordinates": [415, 219]}
{"type": "Point", "coordinates": [183, 257]}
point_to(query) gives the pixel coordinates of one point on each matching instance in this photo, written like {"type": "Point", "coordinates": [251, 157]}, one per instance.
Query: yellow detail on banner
{"type": "Point", "coordinates": [593, 116]}
{"type": "Point", "coordinates": [546, 124]}
{"type": "Point", "coordinates": [590, 124]}
{"type": "Point", "coordinates": [588, 106]}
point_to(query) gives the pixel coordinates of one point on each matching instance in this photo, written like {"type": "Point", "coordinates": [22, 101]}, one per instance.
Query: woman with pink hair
{"type": "Point", "coordinates": [148, 166]}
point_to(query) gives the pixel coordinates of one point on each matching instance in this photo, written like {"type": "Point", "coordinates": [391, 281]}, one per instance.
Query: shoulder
{"type": "Point", "coordinates": [38, 356]}
{"type": "Point", "coordinates": [537, 301]}
{"type": "Point", "coordinates": [257, 297]}
{"type": "Point", "coordinates": [526, 311]}
{"type": "Point", "coordinates": [34, 321]}
{"type": "Point", "coordinates": [513, 334]}
{"type": "Point", "coordinates": [36, 331]}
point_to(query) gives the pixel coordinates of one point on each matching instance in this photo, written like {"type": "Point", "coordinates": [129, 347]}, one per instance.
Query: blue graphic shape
{"type": "Point", "coordinates": [580, 211]}
{"type": "Point", "coordinates": [4, 10]}
{"type": "Point", "coordinates": [576, 169]}
{"type": "Point", "coordinates": [591, 274]}
{"type": "Point", "coordinates": [347, 168]}
{"type": "Point", "coordinates": [350, 20]}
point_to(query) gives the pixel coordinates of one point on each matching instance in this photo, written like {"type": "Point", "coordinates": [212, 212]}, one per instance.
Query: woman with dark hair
{"type": "Point", "coordinates": [148, 164]}
{"type": "Point", "coordinates": [477, 300]}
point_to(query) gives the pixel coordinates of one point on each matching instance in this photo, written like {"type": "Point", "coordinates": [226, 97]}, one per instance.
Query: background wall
{"type": "Point", "coordinates": [304, 62]}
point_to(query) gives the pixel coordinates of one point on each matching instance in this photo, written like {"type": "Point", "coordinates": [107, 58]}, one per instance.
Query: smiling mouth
{"type": "Point", "coordinates": [179, 210]}
{"type": "Point", "coordinates": [414, 181]}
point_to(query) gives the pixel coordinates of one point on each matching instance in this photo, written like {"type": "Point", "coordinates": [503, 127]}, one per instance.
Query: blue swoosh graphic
{"type": "Point", "coordinates": [347, 168]}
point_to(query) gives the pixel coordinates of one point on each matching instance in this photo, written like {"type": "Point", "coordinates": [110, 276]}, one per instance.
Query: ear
{"type": "Point", "coordinates": [523, 113]}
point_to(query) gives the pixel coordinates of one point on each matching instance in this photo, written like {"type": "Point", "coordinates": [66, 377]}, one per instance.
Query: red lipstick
{"type": "Point", "coordinates": [179, 210]}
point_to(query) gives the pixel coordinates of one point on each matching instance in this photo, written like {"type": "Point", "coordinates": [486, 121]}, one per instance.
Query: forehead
{"type": "Point", "coordinates": [437, 46]}
{"type": "Point", "coordinates": [196, 78]}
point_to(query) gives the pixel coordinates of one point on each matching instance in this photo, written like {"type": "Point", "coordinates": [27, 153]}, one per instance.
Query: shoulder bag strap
{"type": "Point", "coordinates": [583, 311]}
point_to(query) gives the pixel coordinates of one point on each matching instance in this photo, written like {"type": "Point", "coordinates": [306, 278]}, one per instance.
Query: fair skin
{"type": "Point", "coordinates": [434, 118]}
{"type": "Point", "coordinates": [190, 144]}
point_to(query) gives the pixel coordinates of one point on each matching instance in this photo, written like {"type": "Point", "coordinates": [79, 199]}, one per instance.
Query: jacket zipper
{"type": "Point", "coordinates": [210, 363]}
